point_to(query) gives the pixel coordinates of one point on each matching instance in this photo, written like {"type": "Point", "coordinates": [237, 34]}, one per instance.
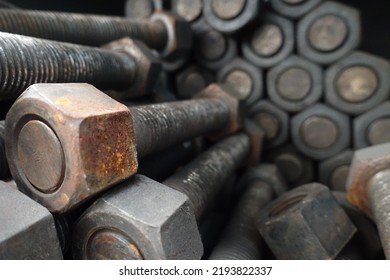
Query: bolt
{"type": "Point", "coordinates": [328, 33]}
{"type": "Point", "coordinates": [192, 80]}
{"type": "Point", "coordinates": [294, 8]}
{"type": "Point", "coordinates": [27, 229]}
{"type": "Point", "coordinates": [190, 10]}
{"type": "Point", "coordinates": [164, 32]}
{"type": "Point", "coordinates": [367, 188]}
{"type": "Point", "coordinates": [333, 172]}
{"type": "Point", "coordinates": [240, 239]}
{"type": "Point", "coordinates": [305, 223]}
{"type": "Point", "coordinates": [26, 61]}
{"type": "Point", "coordinates": [357, 83]}
{"type": "Point", "coordinates": [94, 141]}
{"type": "Point", "coordinates": [295, 84]}
{"type": "Point", "coordinates": [166, 226]}
{"type": "Point", "coordinates": [270, 43]}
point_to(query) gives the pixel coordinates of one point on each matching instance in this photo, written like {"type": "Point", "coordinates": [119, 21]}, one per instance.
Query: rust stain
{"type": "Point", "coordinates": [63, 101]}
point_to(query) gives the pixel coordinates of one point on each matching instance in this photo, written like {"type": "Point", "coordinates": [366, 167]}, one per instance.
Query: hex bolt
{"type": "Point", "coordinates": [305, 223]}
{"type": "Point", "coordinates": [245, 79]}
{"type": "Point", "coordinates": [270, 43]}
{"type": "Point", "coordinates": [213, 49]}
{"type": "Point", "coordinates": [26, 61]}
{"type": "Point", "coordinates": [294, 8]}
{"type": "Point", "coordinates": [294, 84]}
{"type": "Point", "coordinates": [333, 172]}
{"type": "Point", "coordinates": [368, 189]}
{"type": "Point", "coordinates": [27, 229]}
{"type": "Point", "coordinates": [272, 120]}
{"type": "Point", "coordinates": [357, 83]}
{"type": "Point", "coordinates": [190, 10]}
{"type": "Point", "coordinates": [94, 141]}
{"type": "Point", "coordinates": [230, 16]}
{"type": "Point", "coordinates": [4, 169]}
{"type": "Point", "coordinates": [329, 32]}
{"type": "Point", "coordinates": [240, 239]}
{"type": "Point", "coordinates": [372, 127]}
{"type": "Point", "coordinates": [163, 32]}
{"type": "Point", "coordinates": [158, 221]}
{"type": "Point", "coordinates": [192, 80]}
{"type": "Point", "coordinates": [320, 132]}
{"type": "Point", "coordinates": [296, 168]}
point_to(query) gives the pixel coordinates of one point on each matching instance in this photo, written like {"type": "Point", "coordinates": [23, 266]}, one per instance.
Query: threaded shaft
{"type": "Point", "coordinates": [25, 61]}
{"type": "Point", "coordinates": [203, 178]}
{"type": "Point", "coordinates": [4, 170]}
{"type": "Point", "coordinates": [162, 125]}
{"type": "Point", "coordinates": [92, 30]}
{"type": "Point", "coordinates": [241, 240]}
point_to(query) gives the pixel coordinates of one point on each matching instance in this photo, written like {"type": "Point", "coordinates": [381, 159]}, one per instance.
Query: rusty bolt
{"type": "Point", "coordinates": [372, 127]}
{"type": "Point", "coordinates": [305, 223]}
{"type": "Point", "coordinates": [328, 32]}
{"type": "Point", "coordinates": [320, 132]}
{"type": "Point", "coordinates": [294, 8]}
{"type": "Point", "coordinates": [295, 84]}
{"type": "Point", "coordinates": [143, 219]}
{"type": "Point", "coordinates": [94, 140]}
{"type": "Point", "coordinates": [357, 83]}
{"type": "Point", "coordinates": [240, 239]}
{"type": "Point", "coordinates": [27, 61]}
{"type": "Point", "coordinates": [27, 229]}
{"type": "Point", "coordinates": [368, 187]}
{"type": "Point", "coordinates": [271, 42]}
{"type": "Point", "coordinates": [164, 32]}
{"type": "Point", "coordinates": [192, 80]}
{"type": "Point", "coordinates": [333, 172]}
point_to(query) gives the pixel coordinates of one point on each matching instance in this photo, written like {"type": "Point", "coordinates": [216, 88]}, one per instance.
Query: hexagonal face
{"type": "Point", "coordinates": [191, 81]}
{"type": "Point", "coordinates": [27, 229]}
{"type": "Point", "coordinates": [357, 83]}
{"type": "Point", "coordinates": [68, 142]}
{"type": "Point", "coordinates": [153, 219]}
{"type": "Point", "coordinates": [147, 67]}
{"type": "Point", "coordinates": [333, 172]}
{"type": "Point", "coordinates": [305, 223]}
{"type": "Point", "coordinates": [365, 165]}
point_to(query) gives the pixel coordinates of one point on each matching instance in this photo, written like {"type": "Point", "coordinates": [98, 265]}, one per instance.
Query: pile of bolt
{"type": "Point", "coordinates": [155, 136]}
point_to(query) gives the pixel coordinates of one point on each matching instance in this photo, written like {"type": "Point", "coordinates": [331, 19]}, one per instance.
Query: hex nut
{"type": "Point", "coordinates": [271, 43]}
{"type": "Point", "coordinates": [27, 228]}
{"type": "Point", "coordinates": [190, 10]}
{"type": "Point", "coordinates": [366, 163]}
{"type": "Point", "coordinates": [84, 141]}
{"type": "Point", "coordinates": [192, 80]}
{"type": "Point", "coordinates": [371, 128]}
{"type": "Point", "coordinates": [145, 219]}
{"type": "Point", "coordinates": [295, 84]}
{"type": "Point", "coordinates": [245, 78]}
{"type": "Point", "coordinates": [305, 223]}
{"type": "Point", "coordinates": [179, 41]}
{"type": "Point", "coordinates": [294, 10]}
{"type": "Point", "coordinates": [272, 120]}
{"type": "Point", "coordinates": [227, 19]}
{"type": "Point", "coordinates": [333, 172]}
{"type": "Point", "coordinates": [357, 83]}
{"type": "Point", "coordinates": [320, 132]}
{"type": "Point", "coordinates": [333, 28]}
{"type": "Point", "coordinates": [147, 67]}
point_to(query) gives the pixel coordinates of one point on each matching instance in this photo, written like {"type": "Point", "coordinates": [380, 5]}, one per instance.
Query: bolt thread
{"type": "Point", "coordinates": [241, 240]}
{"type": "Point", "coordinates": [4, 170]}
{"type": "Point", "coordinates": [25, 61]}
{"type": "Point", "coordinates": [203, 178]}
{"type": "Point", "coordinates": [92, 30]}
{"type": "Point", "coordinates": [162, 125]}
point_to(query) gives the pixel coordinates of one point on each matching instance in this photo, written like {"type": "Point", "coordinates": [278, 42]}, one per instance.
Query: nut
{"type": "Point", "coordinates": [191, 81]}
{"type": "Point", "coordinates": [333, 172]}
{"type": "Point", "coordinates": [68, 142]}
{"type": "Point", "coordinates": [305, 223]}
{"type": "Point", "coordinates": [139, 219]}
{"type": "Point", "coordinates": [294, 9]}
{"type": "Point", "coordinates": [147, 67]}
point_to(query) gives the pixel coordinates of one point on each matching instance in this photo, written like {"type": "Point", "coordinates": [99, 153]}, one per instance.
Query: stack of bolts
{"type": "Point", "coordinates": [247, 104]}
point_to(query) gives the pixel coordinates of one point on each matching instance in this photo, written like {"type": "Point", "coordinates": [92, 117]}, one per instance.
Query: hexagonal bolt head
{"type": "Point", "coordinates": [179, 41]}
{"type": "Point", "coordinates": [320, 132]}
{"type": "Point", "coordinates": [68, 142]}
{"type": "Point", "coordinates": [328, 32]}
{"type": "Point", "coordinates": [333, 172]}
{"type": "Point", "coordinates": [146, 64]}
{"type": "Point", "coordinates": [357, 83]}
{"type": "Point", "coordinates": [139, 219]}
{"type": "Point", "coordinates": [305, 223]}
{"type": "Point", "coordinates": [372, 127]}
{"type": "Point", "coordinates": [192, 80]}
{"type": "Point", "coordinates": [27, 228]}
{"type": "Point", "coordinates": [294, 9]}
{"type": "Point", "coordinates": [190, 10]}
